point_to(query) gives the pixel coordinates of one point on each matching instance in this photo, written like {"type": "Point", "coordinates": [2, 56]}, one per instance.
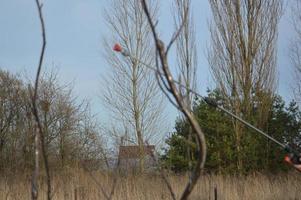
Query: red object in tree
{"type": "Point", "coordinates": [290, 160]}
{"type": "Point", "coordinates": [287, 159]}
{"type": "Point", "coordinates": [117, 48]}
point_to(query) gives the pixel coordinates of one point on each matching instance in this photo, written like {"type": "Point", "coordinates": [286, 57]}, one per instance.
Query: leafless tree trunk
{"type": "Point", "coordinates": [131, 91]}
{"type": "Point", "coordinates": [39, 135]}
{"type": "Point", "coordinates": [295, 49]}
{"type": "Point", "coordinates": [169, 87]}
{"type": "Point", "coordinates": [242, 57]}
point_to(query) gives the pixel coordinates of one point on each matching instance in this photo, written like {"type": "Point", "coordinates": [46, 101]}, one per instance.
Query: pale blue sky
{"type": "Point", "coordinates": [74, 34]}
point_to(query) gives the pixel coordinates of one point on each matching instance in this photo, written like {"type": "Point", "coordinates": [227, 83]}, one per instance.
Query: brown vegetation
{"type": "Point", "coordinates": [77, 184]}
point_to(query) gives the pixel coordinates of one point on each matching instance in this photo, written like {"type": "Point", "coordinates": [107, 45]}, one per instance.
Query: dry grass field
{"type": "Point", "coordinates": [77, 184]}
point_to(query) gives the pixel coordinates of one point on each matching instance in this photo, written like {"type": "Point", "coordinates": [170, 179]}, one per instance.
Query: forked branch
{"type": "Point", "coordinates": [172, 88]}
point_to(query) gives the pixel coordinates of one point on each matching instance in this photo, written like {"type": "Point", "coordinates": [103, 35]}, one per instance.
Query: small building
{"type": "Point", "coordinates": [129, 157]}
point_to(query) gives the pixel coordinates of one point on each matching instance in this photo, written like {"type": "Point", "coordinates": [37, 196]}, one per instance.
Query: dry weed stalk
{"type": "Point", "coordinates": [108, 195]}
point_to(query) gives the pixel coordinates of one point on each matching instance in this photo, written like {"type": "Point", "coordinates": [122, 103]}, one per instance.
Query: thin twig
{"type": "Point", "coordinates": [177, 33]}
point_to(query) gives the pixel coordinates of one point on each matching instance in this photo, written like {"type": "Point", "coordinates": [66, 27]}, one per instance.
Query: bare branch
{"type": "Point", "coordinates": [39, 136]}
{"type": "Point", "coordinates": [190, 117]}
{"type": "Point", "coordinates": [179, 30]}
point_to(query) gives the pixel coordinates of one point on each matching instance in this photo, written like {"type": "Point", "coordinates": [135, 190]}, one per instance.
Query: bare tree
{"type": "Point", "coordinates": [295, 49]}
{"type": "Point", "coordinates": [187, 58]}
{"type": "Point", "coordinates": [71, 133]}
{"type": "Point", "coordinates": [70, 130]}
{"type": "Point", "coordinates": [186, 48]}
{"type": "Point", "coordinates": [242, 58]}
{"type": "Point", "coordinates": [130, 90]}
{"type": "Point", "coordinates": [10, 90]}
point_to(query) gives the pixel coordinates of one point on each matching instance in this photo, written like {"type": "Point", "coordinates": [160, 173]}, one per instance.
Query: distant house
{"type": "Point", "coordinates": [129, 157]}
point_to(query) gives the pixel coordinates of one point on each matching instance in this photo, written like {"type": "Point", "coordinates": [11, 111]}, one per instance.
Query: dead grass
{"type": "Point", "coordinates": [77, 184]}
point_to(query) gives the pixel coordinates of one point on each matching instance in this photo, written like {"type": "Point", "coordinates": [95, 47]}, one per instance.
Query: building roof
{"type": "Point", "coordinates": [132, 152]}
